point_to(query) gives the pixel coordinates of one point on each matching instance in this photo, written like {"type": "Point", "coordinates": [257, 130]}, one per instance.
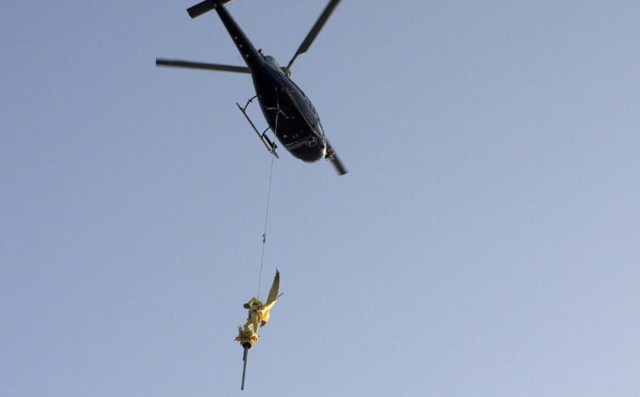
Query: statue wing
{"type": "Point", "coordinates": [273, 293]}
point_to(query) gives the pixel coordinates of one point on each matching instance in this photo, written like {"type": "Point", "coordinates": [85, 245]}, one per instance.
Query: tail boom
{"type": "Point", "coordinates": [244, 46]}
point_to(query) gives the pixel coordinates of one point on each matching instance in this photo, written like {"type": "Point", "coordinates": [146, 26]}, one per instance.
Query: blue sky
{"type": "Point", "coordinates": [485, 242]}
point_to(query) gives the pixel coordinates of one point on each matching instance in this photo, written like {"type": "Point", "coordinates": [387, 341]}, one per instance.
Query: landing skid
{"type": "Point", "coordinates": [268, 143]}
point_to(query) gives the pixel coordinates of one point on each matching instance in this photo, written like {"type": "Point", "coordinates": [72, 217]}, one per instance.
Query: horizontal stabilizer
{"type": "Point", "coordinates": [204, 7]}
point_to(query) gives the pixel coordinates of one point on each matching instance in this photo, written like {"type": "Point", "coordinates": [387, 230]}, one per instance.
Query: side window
{"type": "Point", "coordinates": [310, 112]}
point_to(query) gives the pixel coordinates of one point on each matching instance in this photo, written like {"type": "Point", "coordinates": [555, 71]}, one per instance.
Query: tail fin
{"type": "Point", "coordinates": [204, 7]}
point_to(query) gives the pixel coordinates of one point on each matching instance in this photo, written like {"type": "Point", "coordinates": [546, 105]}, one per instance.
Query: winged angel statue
{"type": "Point", "coordinates": [259, 314]}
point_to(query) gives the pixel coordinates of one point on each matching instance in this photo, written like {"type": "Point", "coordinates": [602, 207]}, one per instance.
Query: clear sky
{"type": "Point", "coordinates": [486, 241]}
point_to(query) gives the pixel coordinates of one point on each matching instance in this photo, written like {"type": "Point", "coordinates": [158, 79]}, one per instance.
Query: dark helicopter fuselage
{"type": "Point", "coordinates": [287, 110]}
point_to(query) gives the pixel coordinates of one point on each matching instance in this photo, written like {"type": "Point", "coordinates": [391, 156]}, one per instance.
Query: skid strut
{"type": "Point", "coordinates": [268, 143]}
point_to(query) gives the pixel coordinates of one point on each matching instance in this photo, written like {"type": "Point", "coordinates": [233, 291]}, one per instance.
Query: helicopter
{"type": "Point", "coordinates": [288, 111]}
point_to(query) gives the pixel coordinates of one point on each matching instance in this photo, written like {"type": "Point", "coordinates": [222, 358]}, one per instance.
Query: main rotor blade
{"type": "Point", "coordinates": [337, 164]}
{"type": "Point", "coordinates": [335, 160]}
{"type": "Point", "coordinates": [314, 30]}
{"type": "Point", "coordinates": [203, 66]}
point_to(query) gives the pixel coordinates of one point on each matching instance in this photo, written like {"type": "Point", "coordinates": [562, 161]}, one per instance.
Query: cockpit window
{"type": "Point", "coordinates": [319, 128]}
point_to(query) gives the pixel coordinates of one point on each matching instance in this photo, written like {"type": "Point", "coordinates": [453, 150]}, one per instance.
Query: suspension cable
{"type": "Point", "coordinates": [266, 219]}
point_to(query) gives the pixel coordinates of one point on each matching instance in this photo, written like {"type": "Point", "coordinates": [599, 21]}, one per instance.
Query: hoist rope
{"type": "Point", "coordinates": [266, 220]}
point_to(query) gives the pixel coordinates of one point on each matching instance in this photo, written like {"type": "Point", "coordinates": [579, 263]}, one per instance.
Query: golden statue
{"type": "Point", "coordinates": [258, 316]}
